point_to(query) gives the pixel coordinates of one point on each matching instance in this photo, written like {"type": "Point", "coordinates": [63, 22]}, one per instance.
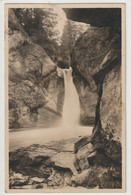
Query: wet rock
{"type": "Point", "coordinates": [62, 160]}
{"type": "Point", "coordinates": [29, 161]}
{"type": "Point", "coordinates": [37, 180]}
{"type": "Point", "coordinates": [85, 151]}
{"type": "Point", "coordinates": [18, 179]}
{"type": "Point", "coordinates": [32, 154]}
{"type": "Point", "coordinates": [81, 162]}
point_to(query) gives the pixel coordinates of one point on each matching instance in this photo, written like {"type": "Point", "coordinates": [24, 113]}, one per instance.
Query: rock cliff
{"type": "Point", "coordinates": [29, 70]}
{"type": "Point", "coordinates": [96, 59]}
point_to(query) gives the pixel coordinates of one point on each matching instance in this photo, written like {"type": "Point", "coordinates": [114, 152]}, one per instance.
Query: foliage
{"type": "Point", "coordinates": [38, 24]}
{"type": "Point", "coordinates": [109, 134]}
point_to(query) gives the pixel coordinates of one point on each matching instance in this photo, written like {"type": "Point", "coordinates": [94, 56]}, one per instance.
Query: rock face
{"type": "Point", "coordinates": [94, 51]}
{"type": "Point", "coordinates": [71, 32]}
{"type": "Point", "coordinates": [101, 17]}
{"type": "Point", "coordinates": [111, 104]}
{"type": "Point", "coordinates": [30, 72]}
{"type": "Point", "coordinates": [92, 56]}
{"type": "Point", "coordinates": [98, 64]}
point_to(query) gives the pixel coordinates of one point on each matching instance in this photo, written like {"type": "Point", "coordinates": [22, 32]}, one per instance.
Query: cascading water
{"type": "Point", "coordinates": [71, 107]}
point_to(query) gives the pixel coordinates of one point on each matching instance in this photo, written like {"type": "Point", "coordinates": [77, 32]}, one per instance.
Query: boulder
{"type": "Point", "coordinates": [81, 162]}
{"type": "Point", "coordinates": [29, 62]}
{"type": "Point", "coordinates": [94, 51]}
{"type": "Point", "coordinates": [62, 160]}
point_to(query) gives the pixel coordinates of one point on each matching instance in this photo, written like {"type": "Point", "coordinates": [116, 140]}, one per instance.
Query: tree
{"type": "Point", "coordinates": [38, 24]}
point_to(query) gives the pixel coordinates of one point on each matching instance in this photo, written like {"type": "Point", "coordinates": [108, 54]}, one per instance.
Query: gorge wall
{"type": "Point", "coordinates": [96, 58]}
{"type": "Point", "coordinates": [38, 43]}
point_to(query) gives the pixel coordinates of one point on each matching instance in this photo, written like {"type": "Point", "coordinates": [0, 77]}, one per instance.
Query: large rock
{"type": "Point", "coordinates": [30, 62]}
{"type": "Point", "coordinates": [62, 160]}
{"type": "Point", "coordinates": [94, 51]}
{"type": "Point", "coordinates": [47, 165]}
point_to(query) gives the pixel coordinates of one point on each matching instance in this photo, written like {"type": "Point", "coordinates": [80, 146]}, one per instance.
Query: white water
{"type": "Point", "coordinates": [69, 127]}
{"type": "Point", "coordinates": [71, 107]}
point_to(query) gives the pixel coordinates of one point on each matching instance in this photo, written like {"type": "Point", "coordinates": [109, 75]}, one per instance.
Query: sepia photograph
{"type": "Point", "coordinates": [65, 98]}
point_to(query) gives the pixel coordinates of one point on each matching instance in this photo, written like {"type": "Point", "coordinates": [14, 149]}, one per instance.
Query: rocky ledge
{"type": "Point", "coordinates": [56, 165]}
{"type": "Point", "coordinates": [43, 166]}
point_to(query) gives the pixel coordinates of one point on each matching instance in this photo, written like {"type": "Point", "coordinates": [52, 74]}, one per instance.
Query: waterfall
{"type": "Point", "coordinates": [71, 107]}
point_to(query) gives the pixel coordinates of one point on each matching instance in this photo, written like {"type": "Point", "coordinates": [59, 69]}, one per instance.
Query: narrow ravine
{"type": "Point", "coordinates": [64, 84]}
